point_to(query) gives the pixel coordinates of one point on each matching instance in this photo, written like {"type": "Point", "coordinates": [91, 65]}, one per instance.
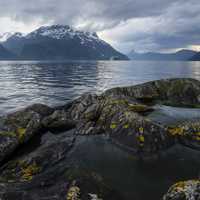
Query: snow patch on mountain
{"type": "Point", "coordinates": [58, 32]}
{"type": "Point", "coordinates": [5, 36]}
{"type": "Point", "coordinates": [65, 32]}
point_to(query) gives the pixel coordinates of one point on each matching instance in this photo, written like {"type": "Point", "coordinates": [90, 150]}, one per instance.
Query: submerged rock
{"type": "Point", "coordinates": [185, 190]}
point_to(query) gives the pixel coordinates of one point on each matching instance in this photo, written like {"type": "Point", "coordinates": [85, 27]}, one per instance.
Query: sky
{"type": "Point", "coordinates": [140, 25]}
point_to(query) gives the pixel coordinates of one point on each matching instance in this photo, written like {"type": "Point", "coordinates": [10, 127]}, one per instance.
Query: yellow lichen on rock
{"type": "Point", "coordinates": [184, 186]}
{"type": "Point", "coordinates": [138, 107]}
{"type": "Point", "coordinates": [141, 139]}
{"type": "Point", "coordinates": [29, 171]}
{"type": "Point", "coordinates": [126, 126]}
{"type": "Point", "coordinates": [73, 193]}
{"type": "Point", "coordinates": [141, 130]}
{"type": "Point", "coordinates": [8, 133]}
{"type": "Point", "coordinates": [176, 131]}
{"type": "Point", "coordinates": [113, 126]}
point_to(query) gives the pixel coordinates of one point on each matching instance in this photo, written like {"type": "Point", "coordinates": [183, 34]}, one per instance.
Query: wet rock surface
{"type": "Point", "coordinates": [122, 114]}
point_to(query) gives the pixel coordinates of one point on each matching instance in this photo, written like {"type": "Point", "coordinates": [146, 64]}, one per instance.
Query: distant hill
{"type": "Point", "coordinates": [182, 55]}
{"type": "Point", "coordinates": [60, 42]}
{"type": "Point", "coordinates": [196, 57]}
{"type": "Point", "coordinates": [5, 54]}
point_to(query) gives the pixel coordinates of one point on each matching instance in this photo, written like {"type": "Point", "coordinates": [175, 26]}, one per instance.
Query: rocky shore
{"type": "Point", "coordinates": [36, 170]}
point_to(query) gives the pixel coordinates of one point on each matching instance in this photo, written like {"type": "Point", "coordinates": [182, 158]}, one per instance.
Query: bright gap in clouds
{"type": "Point", "coordinates": [9, 25]}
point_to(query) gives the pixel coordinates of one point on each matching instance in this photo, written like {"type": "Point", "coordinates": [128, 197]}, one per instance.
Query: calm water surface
{"type": "Point", "coordinates": [25, 83]}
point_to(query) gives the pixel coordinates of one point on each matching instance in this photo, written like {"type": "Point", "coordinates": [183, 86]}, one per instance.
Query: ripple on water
{"type": "Point", "coordinates": [31, 82]}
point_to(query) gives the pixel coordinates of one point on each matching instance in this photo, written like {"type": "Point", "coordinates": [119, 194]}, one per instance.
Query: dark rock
{"type": "Point", "coordinates": [122, 118]}
{"type": "Point", "coordinates": [41, 109]}
{"type": "Point", "coordinates": [185, 190]}
{"type": "Point", "coordinates": [19, 127]}
{"type": "Point", "coordinates": [72, 184]}
{"type": "Point", "coordinates": [174, 92]}
{"type": "Point", "coordinates": [58, 121]}
{"type": "Point", "coordinates": [46, 174]}
{"type": "Point", "coordinates": [122, 113]}
{"type": "Point", "coordinates": [187, 133]}
{"type": "Point", "coordinates": [30, 165]}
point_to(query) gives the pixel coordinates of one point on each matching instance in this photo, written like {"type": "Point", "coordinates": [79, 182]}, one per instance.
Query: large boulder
{"type": "Point", "coordinates": [68, 184]}
{"type": "Point", "coordinates": [19, 127]}
{"type": "Point", "coordinates": [46, 173]}
{"type": "Point", "coordinates": [122, 113]}
{"type": "Point", "coordinates": [59, 120]}
{"type": "Point", "coordinates": [51, 151]}
{"type": "Point", "coordinates": [125, 122]}
{"type": "Point", "coordinates": [175, 92]}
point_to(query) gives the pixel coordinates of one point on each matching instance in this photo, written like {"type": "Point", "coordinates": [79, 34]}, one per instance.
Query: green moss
{"type": "Point", "coordinates": [8, 133]}
{"type": "Point", "coordinates": [138, 108]}
{"type": "Point", "coordinates": [119, 101]}
{"type": "Point", "coordinates": [21, 132]}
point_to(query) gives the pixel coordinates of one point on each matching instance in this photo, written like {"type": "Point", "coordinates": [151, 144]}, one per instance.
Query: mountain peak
{"type": "Point", "coordinates": [5, 36]}
{"type": "Point", "coordinates": [61, 42]}
{"type": "Point", "coordinates": [61, 32]}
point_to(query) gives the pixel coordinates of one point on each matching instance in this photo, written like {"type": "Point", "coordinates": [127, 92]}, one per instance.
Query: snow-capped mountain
{"type": "Point", "coordinates": [5, 36]}
{"type": "Point", "coordinates": [62, 32]}
{"type": "Point", "coordinates": [5, 54]}
{"type": "Point", "coordinates": [60, 42]}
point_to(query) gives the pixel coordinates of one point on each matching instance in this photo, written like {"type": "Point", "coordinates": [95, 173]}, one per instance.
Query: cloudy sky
{"type": "Point", "coordinates": [142, 25]}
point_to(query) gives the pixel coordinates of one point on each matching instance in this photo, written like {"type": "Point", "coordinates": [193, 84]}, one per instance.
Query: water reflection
{"type": "Point", "coordinates": [53, 83]}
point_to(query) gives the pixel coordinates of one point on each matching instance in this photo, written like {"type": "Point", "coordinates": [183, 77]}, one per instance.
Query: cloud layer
{"type": "Point", "coordinates": [143, 25]}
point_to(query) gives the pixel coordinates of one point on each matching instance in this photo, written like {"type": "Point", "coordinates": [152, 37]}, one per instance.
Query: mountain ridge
{"type": "Point", "coordinates": [181, 55]}
{"type": "Point", "coordinates": [5, 54]}
{"type": "Point", "coordinates": [196, 57]}
{"type": "Point", "coordinates": [61, 42]}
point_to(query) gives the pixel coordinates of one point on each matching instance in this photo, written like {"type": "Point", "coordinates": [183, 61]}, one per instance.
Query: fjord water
{"type": "Point", "coordinates": [55, 83]}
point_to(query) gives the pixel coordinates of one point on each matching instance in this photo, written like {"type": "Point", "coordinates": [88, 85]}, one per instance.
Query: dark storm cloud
{"type": "Point", "coordinates": [176, 27]}
{"type": "Point", "coordinates": [140, 24]}
{"type": "Point", "coordinates": [105, 12]}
